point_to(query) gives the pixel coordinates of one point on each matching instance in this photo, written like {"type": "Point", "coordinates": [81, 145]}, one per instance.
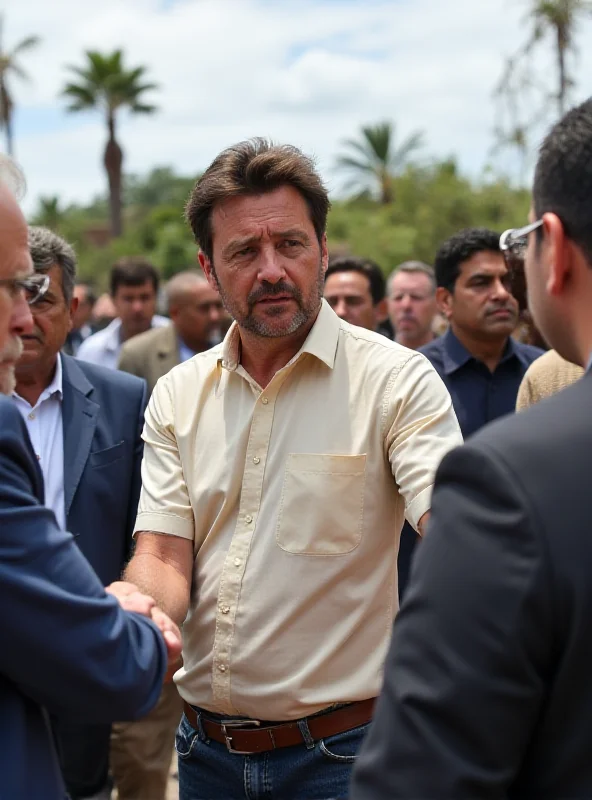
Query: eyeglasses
{"type": "Point", "coordinates": [34, 287]}
{"type": "Point", "coordinates": [513, 244]}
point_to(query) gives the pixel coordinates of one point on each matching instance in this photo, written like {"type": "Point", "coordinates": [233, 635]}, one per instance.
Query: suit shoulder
{"type": "Point", "coordinates": [145, 342]}
{"type": "Point", "coordinates": [549, 427]}
{"type": "Point", "coordinates": [105, 379]}
{"type": "Point", "coordinates": [10, 418]}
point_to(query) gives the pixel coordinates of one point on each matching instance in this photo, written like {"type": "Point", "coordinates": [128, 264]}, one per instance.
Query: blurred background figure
{"type": "Point", "coordinates": [545, 377]}
{"type": "Point", "coordinates": [412, 307]}
{"type": "Point", "coordinates": [81, 319]}
{"type": "Point", "coordinates": [134, 288]}
{"type": "Point", "coordinates": [355, 289]}
{"type": "Point", "coordinates": [197, 316]}
{"type": "Point", "coordinates": [480, 363]}
{"type": "Point", "coordinates": [103, 312]}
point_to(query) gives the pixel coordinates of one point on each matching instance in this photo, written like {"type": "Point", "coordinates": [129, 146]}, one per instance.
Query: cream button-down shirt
{"type": "Point", "coordinates": [294, 497]}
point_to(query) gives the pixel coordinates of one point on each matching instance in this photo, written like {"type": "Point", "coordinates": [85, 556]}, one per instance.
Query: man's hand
{"type": "Point", "coordinates": [130, 598]}
{"type": "Point", "coordinates": [172, 638]}
{"type": "Point", "coordinates": [422, 524]}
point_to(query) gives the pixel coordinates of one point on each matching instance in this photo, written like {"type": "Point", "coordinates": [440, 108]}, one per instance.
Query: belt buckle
{"type": "Point", "coordinates": [237, 723]}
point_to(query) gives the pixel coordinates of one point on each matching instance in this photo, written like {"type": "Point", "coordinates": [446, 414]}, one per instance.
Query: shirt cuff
{"type": "Point", "coordinates": [155, 522]}
{"type": "Point", "coordinates": [421, 503]}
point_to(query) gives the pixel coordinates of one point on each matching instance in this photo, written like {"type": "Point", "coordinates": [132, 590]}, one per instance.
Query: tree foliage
{"type": "Point", "coordinates": [9, 65]}
{"type": "Point", "coordinates": [432, 202]}
{"type": "Point", "coordinates": [104, 83]}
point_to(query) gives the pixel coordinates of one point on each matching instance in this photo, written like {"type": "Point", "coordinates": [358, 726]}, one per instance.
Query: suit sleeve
{"type": "Point", "coordinates": [65, 643]}
{"type": "Point", "coordinates": [464, 675]}
{"type": "Point", "coordinates": [136, 483]}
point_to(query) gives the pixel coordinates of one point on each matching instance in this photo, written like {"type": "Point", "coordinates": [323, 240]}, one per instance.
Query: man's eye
{"type": "Point", "coordinates": [292, 243]}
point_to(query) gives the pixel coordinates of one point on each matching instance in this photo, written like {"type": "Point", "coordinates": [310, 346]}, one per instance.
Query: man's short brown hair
{"type": "Point", "coordinates": [255, 166]}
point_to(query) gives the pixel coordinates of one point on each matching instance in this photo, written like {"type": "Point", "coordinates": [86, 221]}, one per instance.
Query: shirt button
{"type": "Point", "coordinates": [264, 400]}
{"type": "Point", "coordinates": [248, 519]}
{"type": "Point", "coordinates": [256, 460]}
{"type": "Point", "coordinates": [225, 609]}
{"type": "Point", "coordinates": [31, 415]}
{"type": "Point", "coordinates": [222, 668]}
{"type": "Point", "coordinates": [237, 562]}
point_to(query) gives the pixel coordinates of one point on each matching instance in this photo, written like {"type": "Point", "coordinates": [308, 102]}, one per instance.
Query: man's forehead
{"type": "Point", "coordinates": [348, 280]}
{"type": "Point", "coordinates": [410, 279]}
{"type": "Point", "coordinates": [486, 262]}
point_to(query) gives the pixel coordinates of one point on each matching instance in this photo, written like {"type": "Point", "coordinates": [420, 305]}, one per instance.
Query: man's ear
{"type": "Point", "coordinates": [324, 253]}
{"type": "Point", "coordinates": [206, 265]}
{"type": "Point", "coordinates": [73, 309]}
{"type": "Point", "coordinates": [444, 299]}
{"type": "Point", "coordinates": [381, 311]}
{"type": "Point", "coordinates": [556, 252]}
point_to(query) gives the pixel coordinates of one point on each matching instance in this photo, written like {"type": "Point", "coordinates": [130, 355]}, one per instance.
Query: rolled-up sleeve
{"type": "Point", "coordinates": [164, 505]}
{"type": "Point", "coordinates": [420, 428]}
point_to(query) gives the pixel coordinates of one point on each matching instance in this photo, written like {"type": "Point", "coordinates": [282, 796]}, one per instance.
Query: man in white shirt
{"type": "Point", "coordinates": [134, 289]}
{"type": "Point", "coordinates": [277, 472]}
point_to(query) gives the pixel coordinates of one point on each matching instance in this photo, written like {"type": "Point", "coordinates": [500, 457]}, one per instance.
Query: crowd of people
{"type": "Point", "coordinates": [208, 514]}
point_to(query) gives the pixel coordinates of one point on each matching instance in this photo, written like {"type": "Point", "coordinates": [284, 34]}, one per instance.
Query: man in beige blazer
{"type": "Point", "coordinates": [197, 316]}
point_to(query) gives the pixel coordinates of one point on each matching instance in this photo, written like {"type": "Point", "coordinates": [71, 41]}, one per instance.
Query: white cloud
{"type": "Point", "coordinates": [300, 71]}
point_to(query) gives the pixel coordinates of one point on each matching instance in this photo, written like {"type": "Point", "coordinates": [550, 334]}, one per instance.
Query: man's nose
{"type": "Point", "coordinates": [21, 321]}
{"type": "Point", "coordinates": [340, 308]}
{"type": "Point", "coordinates": [271, 269]}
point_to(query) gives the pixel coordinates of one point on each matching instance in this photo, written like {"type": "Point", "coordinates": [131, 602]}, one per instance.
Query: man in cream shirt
{"type": "Point", "coordinates": [278, 469]}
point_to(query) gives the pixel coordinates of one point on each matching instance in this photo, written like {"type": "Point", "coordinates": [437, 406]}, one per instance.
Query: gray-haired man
{"type": "Point", "coordinates": [411, 293]}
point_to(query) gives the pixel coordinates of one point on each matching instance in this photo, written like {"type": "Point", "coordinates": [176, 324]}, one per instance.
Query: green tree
{"type": "Point", "coordinates": [373, 161]}
{"type": "Point", "coordinates": [9, 65]}
{"type": "Point", "coordinates": [105, 84]}
{"type": "Point", "coordinates": [49, 213]}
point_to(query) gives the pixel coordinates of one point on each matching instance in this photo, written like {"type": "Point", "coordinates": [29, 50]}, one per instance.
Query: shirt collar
{"type": "Point", "coordinates": [56, 385]}
{"type": "Point", "coordinates": [321, 341]}
{"type": "Point", "coordinates": [112, 332]}
{"type": "Point", "coordinates": [455, 355]}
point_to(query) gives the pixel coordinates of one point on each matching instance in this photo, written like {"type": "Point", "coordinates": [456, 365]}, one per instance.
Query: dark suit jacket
{"type": "Point", "coordinates": [64, 644]}
{"type": "Point", "coordinates": [103, 415]}
{"type": "Point", "coordinates": [151, 355]}
{"type": "Point", "coordinates": [488, 684]}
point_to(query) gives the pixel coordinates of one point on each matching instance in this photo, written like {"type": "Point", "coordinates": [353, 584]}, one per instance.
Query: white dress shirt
{"type": "Point", "coordinates": [44, 423]}
{"type": "Point", "coordinates": [104, 347]}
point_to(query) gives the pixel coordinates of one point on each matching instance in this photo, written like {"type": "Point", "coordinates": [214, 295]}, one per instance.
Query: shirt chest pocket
{"type": "Point", "coordinates": [322, 504]}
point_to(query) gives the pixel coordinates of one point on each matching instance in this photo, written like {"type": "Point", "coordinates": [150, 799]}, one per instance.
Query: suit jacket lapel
{"type": "Point", "coordinates": [79, 413]}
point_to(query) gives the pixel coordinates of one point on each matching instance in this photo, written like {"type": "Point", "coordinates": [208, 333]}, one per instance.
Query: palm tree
{"type": "Point", "coordinates": [557, 18]}
{"type": "Point", "coordinates": [105, 84]}
{"type": "Point", "coordinates": [50, 213]}
{"type": "Point", "coordinates": [8, 65]}
{"type": "Point", "coordinates": [373, 161]}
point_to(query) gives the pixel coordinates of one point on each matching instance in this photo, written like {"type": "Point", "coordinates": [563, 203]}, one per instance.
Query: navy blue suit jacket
{"type": "Point", "coordinates": [66, 646]}
{"type": "Point", "coordinates": [103, 415]}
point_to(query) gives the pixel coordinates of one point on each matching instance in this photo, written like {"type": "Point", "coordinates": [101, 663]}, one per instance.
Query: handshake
{"type": "Point", "coordinates": [130, 598]}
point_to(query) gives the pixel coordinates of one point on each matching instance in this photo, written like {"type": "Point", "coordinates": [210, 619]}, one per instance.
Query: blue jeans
{"type": "Point", "coordinates": [314, 771]}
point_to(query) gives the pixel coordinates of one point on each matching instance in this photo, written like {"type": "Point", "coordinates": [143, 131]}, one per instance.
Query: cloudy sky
{"type": "Point", "coordinates": [308, 72]}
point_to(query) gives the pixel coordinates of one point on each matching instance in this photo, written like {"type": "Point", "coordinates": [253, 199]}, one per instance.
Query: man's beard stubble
{"type": "Point", "coordinates": [11, 352]}
{"type": "Point", "coordinates": [305, 312]}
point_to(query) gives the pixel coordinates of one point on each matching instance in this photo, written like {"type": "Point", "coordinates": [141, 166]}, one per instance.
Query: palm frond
{"type": "Point", "coordinates": [25, 44]}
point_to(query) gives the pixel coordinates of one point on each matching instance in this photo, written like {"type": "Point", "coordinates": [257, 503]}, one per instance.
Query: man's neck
{"type": "Point", "coordinates": [125, 333]}
{"type": "Point", "coordinates": [415, 342]}
{"type": "Point", "coordinates": [262, 357]}
{"type": "Point", "coordinates": [30, 384]}
{"type": "Point", "coordinates": [488, 351]}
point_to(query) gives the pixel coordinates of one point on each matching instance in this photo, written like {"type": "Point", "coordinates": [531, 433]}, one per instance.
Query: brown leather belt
{"type": "Point", "coordinates": [248, 737]}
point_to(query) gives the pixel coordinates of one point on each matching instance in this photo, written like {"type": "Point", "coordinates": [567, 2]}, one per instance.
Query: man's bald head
{"type": "Point", "coordinates": [15, 263]}
{"type": "Point", "coordinates": [195, 309]}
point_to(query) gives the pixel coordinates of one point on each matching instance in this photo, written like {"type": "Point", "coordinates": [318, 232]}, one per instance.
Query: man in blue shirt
{"type": "Point", "coordinates": [480, 363]}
